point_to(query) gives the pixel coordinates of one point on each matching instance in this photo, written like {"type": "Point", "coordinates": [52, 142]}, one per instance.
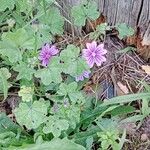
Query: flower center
{"type": "Point", "coordinates": [93, 54]}
{"type": "Point", "coordinates": [47, 55]}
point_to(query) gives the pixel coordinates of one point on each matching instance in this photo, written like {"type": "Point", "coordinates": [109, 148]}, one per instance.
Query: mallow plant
{"type": "Point", "coordinates": [53, 111]}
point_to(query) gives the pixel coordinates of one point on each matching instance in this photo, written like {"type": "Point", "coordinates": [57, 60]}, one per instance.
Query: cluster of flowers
{"type": "Point", "coordinates": [93, 54]}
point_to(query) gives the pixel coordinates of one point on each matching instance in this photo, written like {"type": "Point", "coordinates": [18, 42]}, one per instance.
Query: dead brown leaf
{"type": "Point", "coordinates": [123, 88]}
{"type": "Point", "coordinates": [146, 68]}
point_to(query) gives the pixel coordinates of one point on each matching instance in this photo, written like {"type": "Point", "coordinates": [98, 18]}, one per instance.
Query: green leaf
{"type": "Point", "coordinates": [81, 137]}
{"type": "Point", "coordinates": [11, 51]}
{"type": "Point", "coordinates": [20, 39]}
{"type": "Point", "coordinates": [126, 98]}
{"type": "Point", "coordinates": [54, 144]}
{"type": "Point", "coordinates": [72, 63]}
{"type": "Point", "coordinates": [54, 20]}
{"type": "Point", "coordinates": [6, 124]}
{"type": "Point", "coordinates": [24, 71]}
{"type": "Point", "coordinates": [6, 4]}
{"type": "Point", "coordinates": [89, 116]}
{"type": "Point", "coordinates": [4, 85]}
{"type": "Point", "coordinates": [55, 126]}
{"type": "Point", "coordinates": [43, 34]}
{"type": "Point", "coordinates": [122, 139]}
{"type": "Point", "coordinates": [89, 143]}
{"type": "Point", "coordinates": [124, 30]}
{"type": "Point", "coordinates": [31, 115]}
{"type": "Point", "coordinates": [81, 66]}
{"type": "Point", "coordinates": [145, 107]}
{"type": "Point", "coordinates": [107, 124]}
{"type": "Point", "coordinates": [100, 30]}
{"type": "Point", "coordinates": [63, 89]}
{"type": "Point", "coordinates": [70, 53]}
{"type": "Point", "coordinates": [6, 138]}
{"type": "Point", "coordinates": [24, 5]}
{"type": "Point", "coordinates": [26, 93]}
{"type": "Point", "coordinates": [133, 118]}
{"type": "Point", "coordinates": [84, 11]}
{"type": "Point", "coordinates": [72, 114]}
{"type": "Point", "coordinates": [122, 110]}
{"type": "Point", "coordinates": [127, 49]}
{"type": "Point", "coordinates": [71, 91]}
{"type": "Point", "coordinates": [13, 42]}
{"type": "Point", "coordinates": [52, 73]}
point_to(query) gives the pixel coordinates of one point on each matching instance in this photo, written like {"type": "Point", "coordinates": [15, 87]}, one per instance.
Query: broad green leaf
{"type": "Point", "coordinates": [69, 112]}
{"type": "Point", "coordinates": [49, 75]}
{"type": "Point", "coordinates": [63, 89]}
{"type": "Point", "coordinates": [70, 53]}
{"type": "Point", "coordinates": [24, 5]}
{"type": "Point", "coordinates": [72, 87]}
{"type": "Point", "coordinates": [6, 4]}
{"type": "Point", "coordinates": [43, 34]}
{"type": "Point", "coordinates": [55, 126]}
{"type": "Point", "coordinates": [100, 30]}
{"type": "Point", "coordinates": [9, 50]}
{"type": "Point", "coordinates": [71, 91]}
{"type": "Point", "coordinates": [79, 15]}
{"type": "Point", "coordinates": [31, 115]}
{"type": "Point", "coordinates": [20, 39]}
{"type": "Point", "coordinates": [25, 72]}
{"type": "Point", "coordinates": [26, 93]}
{"type": "Point", "coordinates": [81, 67]}
{"type": "Point", "coordinates": [54, 20]}
{"type": "Point", "coordinates": [52, 73]}
{"type": "Point", "coordinates": [54, 144]}
{"type": "Point", "coordinates": [72, 114]}
{"type": "Point", "coordinates": [72, 63]}
{"type": "Point", "coordinates": [124, 30]}
{"type": "Point", "coordinates": [84, 11]}
{"type": "Point", "coordinates": [4, 85]}
{"type": "Point", "coordinates": [13, 42]}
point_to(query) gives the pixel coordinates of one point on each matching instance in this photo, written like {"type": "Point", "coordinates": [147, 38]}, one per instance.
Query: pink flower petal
{"type": "Point", "coordinates": [98, 61]}
{"type": "Point", "coordinates": [103, 59]}
{"type": "Point", "coordinates": [90, 62]}
{"type": "Point", "coordinates": [45, 62]}
{"type": "Point", "coordinates": [46, 54]}
{"type": "Point", "coordinates": [94, 54]}
{"type": "Point", "coordinates": [86, 74]}
{"type": "Point", "coordinates": [53, 50]}
{"type": "Point", "coordinates": [100, 46]}
{"type": "Point", "coordinates": [101, 49]}
{"type": "Point", "coordinates": [91, 46]}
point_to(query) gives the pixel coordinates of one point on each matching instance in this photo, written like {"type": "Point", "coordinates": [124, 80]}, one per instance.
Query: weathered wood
{"type": "Point", "coordinates": [135, 13]}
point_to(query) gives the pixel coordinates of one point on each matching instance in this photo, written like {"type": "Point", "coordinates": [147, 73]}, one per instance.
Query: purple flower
{"type": "Point", "coordinates": [46, 54]}
{"type": "Point", "coordinates": [85, 74]}
{"type": "Point", "coordinates": [66, 103]}
{"type": "Point", "coordinates": [55, 108]}
{"type": "Point", "coordinates": [94, 54]}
